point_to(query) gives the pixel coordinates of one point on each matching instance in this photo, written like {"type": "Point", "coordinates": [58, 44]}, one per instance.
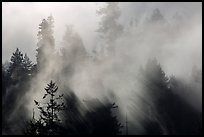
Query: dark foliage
{"type": "Point", "coordinates": [74, 121]}
{"type": "Point", "coordinates": [16, 81]}
{"type": "Point", "coordinates": [102, 121]}
{"type": "Point", "coordinates": [49, 121]}
{"type": "Point", "coordinates": [166, 111]}
{"type": "Point", "coordinates": [174, 115]}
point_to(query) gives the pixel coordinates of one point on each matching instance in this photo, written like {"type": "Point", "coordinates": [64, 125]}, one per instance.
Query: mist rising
{"type": "Point", "coordinates": [138, 65]}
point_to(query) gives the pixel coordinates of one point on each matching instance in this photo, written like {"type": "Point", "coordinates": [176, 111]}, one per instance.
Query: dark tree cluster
{"type": "Point", "coordinates": [54, 118]}
{"type": "Point", "coordinates": [16, 76]}
{"type": "Point", "coordinates": [172, 113]}
{"type": "Point", "coordinates": [99, 120]}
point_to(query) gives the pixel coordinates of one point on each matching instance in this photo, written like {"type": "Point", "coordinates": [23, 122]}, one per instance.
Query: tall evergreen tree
{"type": "Point", "coordinates": [46, 42]}
{"type": "Point", "coordinates": [109, 28]}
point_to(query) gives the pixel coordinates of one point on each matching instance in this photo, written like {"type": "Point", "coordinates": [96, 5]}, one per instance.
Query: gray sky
{"type": "Point", "coordinates": [20, 20]}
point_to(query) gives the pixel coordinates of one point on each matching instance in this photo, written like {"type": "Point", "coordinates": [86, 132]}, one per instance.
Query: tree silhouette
{"type": "Point", "coordinates": [20, 67]}
{"type": "Point", "coordinates": [49, 121]}
{"type": "Point", "coordinates": [170, 113]}
{"type": "Point", "coordinates": [16, 66]}
{"type": "Point", "coordinates": [16, 80]}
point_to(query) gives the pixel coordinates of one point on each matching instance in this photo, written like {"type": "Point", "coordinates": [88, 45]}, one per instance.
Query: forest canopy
{"type": "Point", "coordinates": [131, 82]}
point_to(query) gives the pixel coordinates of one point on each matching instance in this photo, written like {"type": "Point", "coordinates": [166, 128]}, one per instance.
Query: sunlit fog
{"type": "Point", "coordinates": [127, 68]}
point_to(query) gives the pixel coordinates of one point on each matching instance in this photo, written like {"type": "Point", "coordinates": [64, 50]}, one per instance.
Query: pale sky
{"type": "Point", "coordinates": [20, 20]}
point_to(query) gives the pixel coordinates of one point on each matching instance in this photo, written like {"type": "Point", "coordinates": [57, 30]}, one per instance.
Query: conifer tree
{"type": "Point", "coordinates": [46, 42]}
{"type": "Point", "coordinates": [16, 66]}
{"type": "Point", "coordinates": [49, 121]}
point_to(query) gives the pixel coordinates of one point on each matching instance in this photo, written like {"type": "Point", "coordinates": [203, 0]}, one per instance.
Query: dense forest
{"type": "Point", "coordinates": [74, 92]}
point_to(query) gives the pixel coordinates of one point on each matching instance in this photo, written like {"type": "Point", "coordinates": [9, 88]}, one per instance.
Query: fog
{"type": "Point", "coordinates": [107, 67]}
{"type": "Point", "coordinates": [24, 18]}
